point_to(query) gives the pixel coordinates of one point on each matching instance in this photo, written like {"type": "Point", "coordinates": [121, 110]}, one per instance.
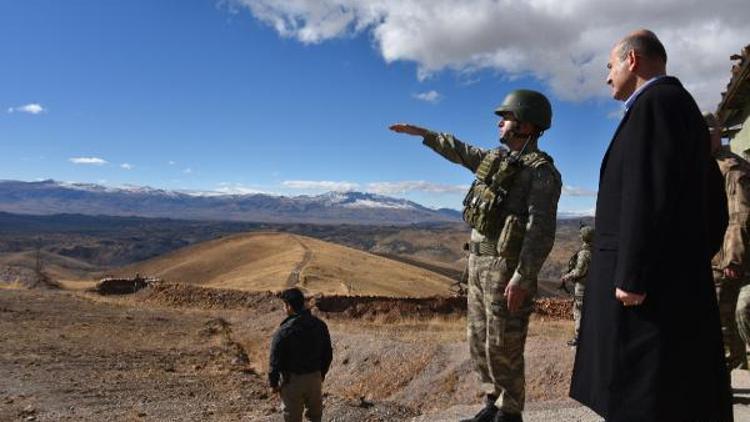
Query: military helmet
{"type": "Point", "coordinates": [587, 234]}
{"type": "Point", "coordinates": [527, 106]}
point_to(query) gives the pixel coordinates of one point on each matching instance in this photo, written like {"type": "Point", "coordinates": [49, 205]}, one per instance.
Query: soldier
{"type": "Point", "coordinates": [578, 268]}
{"type": "Point", "coordinates": [512, 208]}
{"type": "Point", "coordinates": [730, 264]}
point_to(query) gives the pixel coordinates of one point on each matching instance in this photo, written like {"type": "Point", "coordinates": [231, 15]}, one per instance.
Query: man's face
{"type": "Point", "coordinates": [620, 78]}
{"type": "Point", "coordinates": [508, 126]}
{"type": "Point", "coordinates": [513, 133]}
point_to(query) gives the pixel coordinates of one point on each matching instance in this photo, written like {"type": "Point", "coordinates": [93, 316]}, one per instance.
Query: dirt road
{"type": "Point", "coordinates": [294, 276]}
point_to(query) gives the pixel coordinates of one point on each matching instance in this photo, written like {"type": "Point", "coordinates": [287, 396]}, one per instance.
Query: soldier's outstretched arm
{"type": "Point", "coordinates": [446, 145]}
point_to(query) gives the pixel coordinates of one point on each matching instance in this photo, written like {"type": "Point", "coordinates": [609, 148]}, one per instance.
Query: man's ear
{"type": "Point", "coordinates": [528, 128]}
{"type": "Point", "coordinates": [634, 61]}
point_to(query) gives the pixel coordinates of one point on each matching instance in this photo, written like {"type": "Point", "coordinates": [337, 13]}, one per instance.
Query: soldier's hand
{"type": "Point", "coordinates": [732, 272]}
{"type": "Point", "coordinates": [514, 295]}
{"type": "Point", "coordinates": [409, 129]}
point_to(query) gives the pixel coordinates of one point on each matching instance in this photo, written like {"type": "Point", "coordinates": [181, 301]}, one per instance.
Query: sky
{"type": "Point", "coordinates": [295, 97]}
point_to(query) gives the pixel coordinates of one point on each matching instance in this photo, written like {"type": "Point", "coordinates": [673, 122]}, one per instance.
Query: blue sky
{"type": "Point", "coordinates": [288, 98]}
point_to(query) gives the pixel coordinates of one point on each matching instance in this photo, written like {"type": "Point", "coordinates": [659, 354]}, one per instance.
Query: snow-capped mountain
{"type": "Point", "coordinates": [53, 197]}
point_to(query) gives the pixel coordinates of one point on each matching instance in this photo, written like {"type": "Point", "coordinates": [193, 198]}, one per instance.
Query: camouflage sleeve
{"type": "Point", "coordinates": [540, 228]}
{"type": "Point", "coordinates": [454, 150]}
{"type": "Point", "coordinates": [734, 248]}
{"type": "Point", "coordinates": [582, 266]}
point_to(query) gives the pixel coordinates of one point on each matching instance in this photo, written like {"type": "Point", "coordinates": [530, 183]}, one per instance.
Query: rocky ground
{"type": "Point", "coordinates": [71, 355]}
{"type": "Point", "coordinates": [161, 356]}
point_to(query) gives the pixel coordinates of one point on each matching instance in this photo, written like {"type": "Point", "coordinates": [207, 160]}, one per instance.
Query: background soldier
{"type": "Point", "coordinates": [512, 209]}
{"type": "Point", "coordinates": [578, 268]}
{"type": "Point", "coordinates": [730, 264]}
{"type": "Point", "coordinates": [301, 354]}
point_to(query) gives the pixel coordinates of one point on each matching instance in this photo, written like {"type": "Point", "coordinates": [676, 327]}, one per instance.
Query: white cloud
{"type": "Point", "coordinates": [93, 161]}
{"type": "Point", "coordinates": [564, 44]}
{"type": "Point", "coordinates": [429, 96]}
{"type": "Point", "coordinates": [320, 185]}
{"type": "Point", "coordinates": [171, 163]}
{"type": "Point", "coordinates": [577, 191]}
{"type": "Point", "coordinates": [187, 170]}
{"type": "Point", "coordinates": [237, 189]}
{"type": "Point", "coordinates": [32, 108]}
{"type": "Point", "coordinates": [127, 166]}
{"type": "Point", "coordinates": [590, 212]}
{"type": "Point", "coordinates": [390, 188]}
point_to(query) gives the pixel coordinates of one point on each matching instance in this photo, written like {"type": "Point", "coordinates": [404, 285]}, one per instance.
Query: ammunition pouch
{"type": "Point", "coordinates": [483, 202]}
{"type": "Point", "coordinates": [480, 206]}
{"type": "Point", "coordinates": [483, 248]}
{"type": "Point", "coordinates": [511, 237]}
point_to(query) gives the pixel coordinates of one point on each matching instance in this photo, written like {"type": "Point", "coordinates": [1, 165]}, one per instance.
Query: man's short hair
{"type": "Point", "coordinates": [294, 298]}
{"type": "Point", "coordinates": [645, 43]}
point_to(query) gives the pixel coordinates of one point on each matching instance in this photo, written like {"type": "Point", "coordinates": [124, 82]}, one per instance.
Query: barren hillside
{"type": "Point", "coordinates": [272, 261]}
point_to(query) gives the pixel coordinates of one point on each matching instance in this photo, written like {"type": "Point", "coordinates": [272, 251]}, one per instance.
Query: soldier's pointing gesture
{"type": "Point", "coordinates": [409, 129]}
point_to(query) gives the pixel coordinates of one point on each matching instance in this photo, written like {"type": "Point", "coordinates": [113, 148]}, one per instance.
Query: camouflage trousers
{"type": "Point", "coordinates": [727, 294]}
{"type": "Point", "coordinates": [580, 289]}
{"type": "Point", "coordinates": [742, 313]}
{"type": "Point", "coordinates": [496, 338]}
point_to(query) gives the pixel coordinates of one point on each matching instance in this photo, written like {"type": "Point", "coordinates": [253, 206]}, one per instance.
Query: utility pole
{"type": "Point", "coordinates": [39, 264]}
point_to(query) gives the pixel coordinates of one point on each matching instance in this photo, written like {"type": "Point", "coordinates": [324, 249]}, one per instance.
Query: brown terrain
{"type": "Point", "coordinates": [263, 261]}
{"type": "Point", "coordinates": [194, 346]}
{"type": "Point", "coordinates": [178, 352]}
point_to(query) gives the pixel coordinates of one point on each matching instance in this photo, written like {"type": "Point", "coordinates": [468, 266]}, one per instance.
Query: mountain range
{"type": "Point", "coordinates": [53, 197]}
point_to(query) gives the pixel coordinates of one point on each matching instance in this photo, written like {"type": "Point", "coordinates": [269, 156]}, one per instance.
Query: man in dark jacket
{"type": "Point", "coordinates": [301, 354]}
{"type": "Point", "coordinates": [650, 315]}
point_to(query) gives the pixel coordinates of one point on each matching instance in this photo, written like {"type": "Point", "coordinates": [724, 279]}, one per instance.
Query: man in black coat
{"type": "Point", "coordinates": [650, 347]}
{"type": "Point", "coordinates": [301, 354]}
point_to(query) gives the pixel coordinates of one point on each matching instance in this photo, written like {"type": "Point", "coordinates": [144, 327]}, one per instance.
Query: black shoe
{"type": "Point", "coordinates": [501, 416]}
{"type": "Point", "coordinates": [487, 414]}
{"type": "Point", "coordinates": [573, 342]}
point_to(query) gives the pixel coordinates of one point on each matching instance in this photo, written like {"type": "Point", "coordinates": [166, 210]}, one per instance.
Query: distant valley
{"type": "Point", "coordinates": [79, 246]}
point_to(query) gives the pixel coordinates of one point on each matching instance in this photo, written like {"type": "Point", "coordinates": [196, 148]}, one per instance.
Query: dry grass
{"type": "Point", "coordinates": [264, 261]}
{"type": "Point", "coordinates": [56, 266]}
{"type": "Point", "coordinates": [257, 261]}
{"type": "Point", "coordinates": [439, 329]}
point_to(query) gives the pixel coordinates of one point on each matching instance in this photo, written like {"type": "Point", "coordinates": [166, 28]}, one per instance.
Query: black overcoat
{"type": "Point", "coordinates": [660, 216]}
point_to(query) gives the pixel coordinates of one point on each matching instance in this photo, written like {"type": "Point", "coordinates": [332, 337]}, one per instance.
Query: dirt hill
{"type": "Point", "coordinates": [18, 269]}
{"type": "Point", "coordinates": [274, 261]}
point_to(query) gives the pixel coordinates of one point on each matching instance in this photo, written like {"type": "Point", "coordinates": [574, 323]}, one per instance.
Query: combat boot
{"type": "Point", "coordinates": [501, 416]}
{"type": "Point", "coordinates": [487, 414]}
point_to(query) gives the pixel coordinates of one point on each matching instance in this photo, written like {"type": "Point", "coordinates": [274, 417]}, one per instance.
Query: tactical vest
{"type": "Point", "coordinates": [494, 178]}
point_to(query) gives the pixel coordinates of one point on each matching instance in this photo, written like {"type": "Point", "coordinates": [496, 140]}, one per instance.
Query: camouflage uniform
{"type": "Point", "coordinates": [742, 313]}
{"type": "Point", "coordinates": [736, 172]}
{"type": "Point", "coordinates": [496, 338]}
{"type": "Point", "coordinates": [578, 268]}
